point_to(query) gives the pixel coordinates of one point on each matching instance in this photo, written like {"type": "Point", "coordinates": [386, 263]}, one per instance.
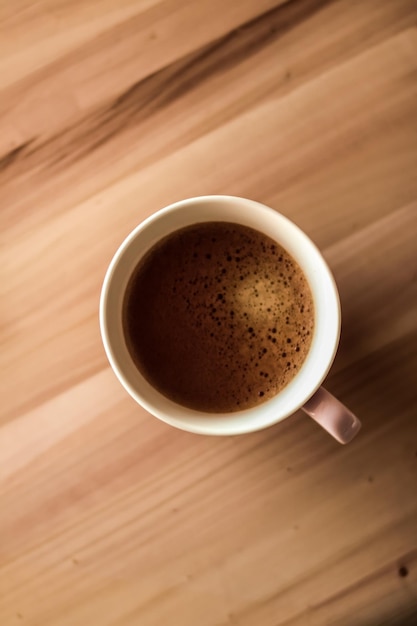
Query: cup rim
{"type": "Point", "coordinates": [238, 422]}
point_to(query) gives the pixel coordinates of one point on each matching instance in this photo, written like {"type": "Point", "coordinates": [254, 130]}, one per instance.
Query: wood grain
{"type": "Point", "coordinates": [109, 111]}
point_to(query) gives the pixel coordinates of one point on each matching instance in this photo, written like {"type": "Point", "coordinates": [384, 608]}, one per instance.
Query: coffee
{"type": "Point", "coordinates": [218, 317]}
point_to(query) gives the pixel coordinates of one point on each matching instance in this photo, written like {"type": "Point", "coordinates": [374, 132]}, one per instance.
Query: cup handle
{"type": "Point", "coordinates": [332, 415]}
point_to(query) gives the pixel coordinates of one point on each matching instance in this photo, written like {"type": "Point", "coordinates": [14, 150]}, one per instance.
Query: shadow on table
{"type": "Point", "coordinates": [380, 387]}
{"type": "Point", "coordinates": [406, 616]}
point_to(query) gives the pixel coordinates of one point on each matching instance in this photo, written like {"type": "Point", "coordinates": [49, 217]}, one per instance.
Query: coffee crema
{"type": "Point", "coordinates": [218, 317]}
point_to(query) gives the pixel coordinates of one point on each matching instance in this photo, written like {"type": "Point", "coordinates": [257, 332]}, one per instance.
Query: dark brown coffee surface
{"type": "Point", "coordinates": [218, 317]}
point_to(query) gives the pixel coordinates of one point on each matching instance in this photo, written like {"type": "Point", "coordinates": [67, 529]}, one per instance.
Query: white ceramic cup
{"type": "Point", "coordinates": [304, 390]}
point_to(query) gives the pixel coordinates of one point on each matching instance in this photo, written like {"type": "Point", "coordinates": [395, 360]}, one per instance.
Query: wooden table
{"type": "Point", "coordinates": [109, 111]}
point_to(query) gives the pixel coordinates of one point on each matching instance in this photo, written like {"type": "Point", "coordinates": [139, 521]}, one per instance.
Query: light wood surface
{"type": "Point", "coordinates": [109, 110]}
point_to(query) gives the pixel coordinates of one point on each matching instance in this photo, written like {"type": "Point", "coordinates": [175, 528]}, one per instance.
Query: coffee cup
{"type": "Point", "coordinates": [303, 391]}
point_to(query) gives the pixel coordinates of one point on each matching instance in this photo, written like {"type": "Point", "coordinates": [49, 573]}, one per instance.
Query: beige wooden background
{"type": "Point", "coordinates": [109, 110]}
